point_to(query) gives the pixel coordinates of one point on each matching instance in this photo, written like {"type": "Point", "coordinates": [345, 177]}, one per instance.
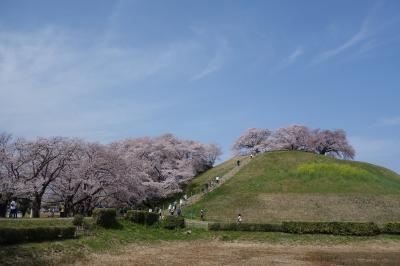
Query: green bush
{"type": "Point", "coordinates": [142, 217]}
{"type": "Point", "coordinates": [334, 228]}
{"type": "Point", "coordinates": [78, 220]}
{"type": "Point", "coordinates": [105, 217]}
{"type": "Point", "coordinates": [391, 228]}
{"type": "Point", "coordinates": [252, 227]}
{"type": "Point", "coordinates": [173, 222]}
{"type": "Point", "coordinates": [13, 235]}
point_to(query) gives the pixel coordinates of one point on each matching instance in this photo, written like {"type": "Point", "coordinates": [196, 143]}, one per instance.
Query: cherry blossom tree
{"type": "Point", "coordinates": [163, 164]}
{"type": "Point", "coordinates": [253, 140]}
{"type": "Point", "coordinates": [38, 163]}
{"type": "Point", "coordinates": [333, 143]}
{"type": "Point", "coordinates": [7, 186]}
{"type": "Point", "coordinates": [294, 137]}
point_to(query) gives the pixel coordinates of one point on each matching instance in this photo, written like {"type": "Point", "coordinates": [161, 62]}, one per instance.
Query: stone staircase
{"type": "Point", "coordinates": [196, 197]}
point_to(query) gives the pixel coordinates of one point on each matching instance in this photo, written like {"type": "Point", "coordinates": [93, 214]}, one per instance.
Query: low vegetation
{"type": "Point", "coordinates": [142, 217]}
{"type": "Point", "coordinates": [105, 217]}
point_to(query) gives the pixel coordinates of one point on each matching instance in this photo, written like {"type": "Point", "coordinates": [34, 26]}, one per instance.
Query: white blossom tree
{"type": "Point", "coordinates": [294, 137]}
{"type": "Point", "coordinates": [333, 143]}
{"type": "Point", "coordinates": [253, 140]}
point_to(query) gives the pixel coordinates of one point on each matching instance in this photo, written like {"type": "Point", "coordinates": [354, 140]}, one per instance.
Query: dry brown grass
{"type": "Point", "coordinates": [244, 253]}
{"type": "Point", "coordinates": [274, 207]}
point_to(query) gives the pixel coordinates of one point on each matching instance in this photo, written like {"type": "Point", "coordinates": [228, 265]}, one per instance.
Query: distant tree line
{"type": "Point", "coordinates": [295, 137]}
{"type": "Point", "coordinates": [82, 175]}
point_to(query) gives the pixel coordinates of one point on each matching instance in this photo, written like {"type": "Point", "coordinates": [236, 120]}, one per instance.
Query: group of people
{"type": "Point", "coordinates": [175, 208]}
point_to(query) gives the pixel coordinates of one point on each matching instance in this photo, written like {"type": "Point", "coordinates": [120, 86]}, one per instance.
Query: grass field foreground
{"type": "Point", "coordinates": [103, 241]}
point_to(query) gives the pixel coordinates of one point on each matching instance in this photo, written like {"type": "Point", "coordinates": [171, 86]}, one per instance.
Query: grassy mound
{"type": "Point", "coordinates": [281, 186]}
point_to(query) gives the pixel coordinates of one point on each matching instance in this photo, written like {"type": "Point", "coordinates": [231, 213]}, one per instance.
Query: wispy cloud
{"type": "Point", "coordinates": [53, 84]}
{"type": "Point", "coordinates": [365, 39]}
{"type": "Point", "coordinates": [354, 40]}
{"type": "Point", "coordinates": [213, 66]}
{"type": "Point", "coordinates": [290, 60]}
{"type": "Point", "coordinates": [389, 121]}
{"type": "Point", "coordinates": [216, 62]}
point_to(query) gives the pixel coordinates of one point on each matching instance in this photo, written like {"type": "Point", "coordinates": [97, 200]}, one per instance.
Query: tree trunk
{"type": "Point", "coordinates": [68, 207]}
{"type": "Point", "coordinates": [4, 201]}
{"type": "Point", "coordinates": [36, 205]}
{"type": "Point", "coordinates": [3, 208]}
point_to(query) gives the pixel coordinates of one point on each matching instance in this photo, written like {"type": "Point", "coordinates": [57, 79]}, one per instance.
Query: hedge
{"type": "Point", "coordinates": [252, 227]}
{"type": "Point", "coordinates": [105, 217]}
{"type": "Point", "coordinates": [142, 217]}
{"type": "Point", "coordinates": [173, 222]}
{"type": "Point", "coordinates": [391, 228]}
{"type": "Point", "coordinates": [334, 228]}
{"type": "Point", "coordinates": [13, 235]}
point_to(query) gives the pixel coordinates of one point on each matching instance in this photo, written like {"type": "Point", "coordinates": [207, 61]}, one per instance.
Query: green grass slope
{"type": "Point", "coordinates": [196, 185]}
{"type": "Point", "coordinates": [280, 186]}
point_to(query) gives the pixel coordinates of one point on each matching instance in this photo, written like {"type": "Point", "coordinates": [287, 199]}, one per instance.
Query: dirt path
{"type": "Point", "coordinates": [243, 253]}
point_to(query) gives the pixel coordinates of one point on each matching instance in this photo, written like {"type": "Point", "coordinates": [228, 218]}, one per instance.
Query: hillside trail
{"type": "Point", "coordinates": [197, 197]}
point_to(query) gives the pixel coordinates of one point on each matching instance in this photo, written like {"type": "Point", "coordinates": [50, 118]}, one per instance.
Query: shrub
{"type": "Point", "coordinates": [173, 222]}
{"type": "Point", "coordinates": [142, 217]}
{"type": "Point", "coordinates": [78, 220]}
{"type": "Point", "coordinates": [105, 217]}
{"type": "Point", "coordinates": [391, 228]}
{"type": "Point", "coordinates": [13, 235]}
{"type": "Point", "coordinates": [334, 228]}
{"type": "Point", "coordinates": [252, 227]}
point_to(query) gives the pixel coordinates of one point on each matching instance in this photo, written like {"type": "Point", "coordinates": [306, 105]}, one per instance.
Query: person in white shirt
{"type": "Point", "coordinates": [13, 209]}
{"type": "Point", "coordinates": [239, 219]}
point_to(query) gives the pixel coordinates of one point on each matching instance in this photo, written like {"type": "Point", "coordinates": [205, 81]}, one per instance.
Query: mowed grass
{"type": "Point", "coordinates": [35, 222]}
{"type": "Point", "coordinates": [278, 186]}
{"type": "Point", "coordinates": [112, 241]}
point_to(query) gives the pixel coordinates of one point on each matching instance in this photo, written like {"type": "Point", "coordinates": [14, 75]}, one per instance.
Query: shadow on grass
{"type": "Point", "coordinates": [42, 253]}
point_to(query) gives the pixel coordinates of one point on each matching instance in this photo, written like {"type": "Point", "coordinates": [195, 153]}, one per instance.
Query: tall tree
{"type": "Point", "coordinates": [37, 164]}
{"type": "Point", "coordinates": [253, 140]}
{"type": "Point", "coordinates": [294, 137]}
{"type": "Point", "coordinates": [333, 143]}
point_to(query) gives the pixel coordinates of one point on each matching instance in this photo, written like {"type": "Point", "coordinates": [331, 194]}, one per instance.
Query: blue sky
{"type": "Point", "coordinates": [206, 70]}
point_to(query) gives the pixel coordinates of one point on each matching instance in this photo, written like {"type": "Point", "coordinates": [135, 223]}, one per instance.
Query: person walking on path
{"type": "Point", "coordinates": [217, 180]}
{"type": "Point", "coordinates": [178, 211]}
{"type": "Point", "coordinates": [62, 210]}
{"type": "Point", "coordinates": [202, 214]}
{"type": "Point", "coordinates": [13, 209]}
{"type": "Point", "coordinates": [238, 162]}
{"type": "Point", "coordinates": [239, 219]}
